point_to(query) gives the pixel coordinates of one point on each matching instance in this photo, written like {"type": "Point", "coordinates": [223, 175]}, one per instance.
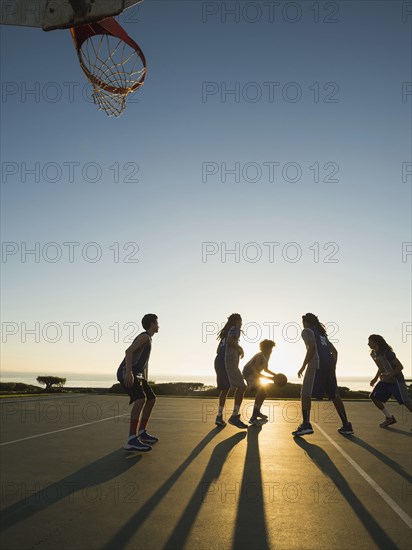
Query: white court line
{"type": "Point", "coordinates": [89, 424]}
{"type": "Point", "coordinates": [62, 430]}
{"type": "Point", "coordinates": [403, 515]}
{"type": "Point", "coordinates": [6, 400]}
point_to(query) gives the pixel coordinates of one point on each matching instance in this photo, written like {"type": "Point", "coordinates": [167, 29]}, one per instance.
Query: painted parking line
{"type": "Point", "coordinates": [397, 509]}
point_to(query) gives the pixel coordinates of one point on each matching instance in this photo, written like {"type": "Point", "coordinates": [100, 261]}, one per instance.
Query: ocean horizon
{"type": "Point", "coordinates": [91, 380]}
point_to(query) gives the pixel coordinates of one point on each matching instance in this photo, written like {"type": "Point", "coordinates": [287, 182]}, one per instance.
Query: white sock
{"type": "Point", "coordinates": [386, 412]}
{"type": "Point", "coordinates": [236, 410]}
{"type": "Point", "coordinates": [220, 410]}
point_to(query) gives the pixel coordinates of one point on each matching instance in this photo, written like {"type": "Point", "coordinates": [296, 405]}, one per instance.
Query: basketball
{"type": "Point", "coordinates": [280, 379]}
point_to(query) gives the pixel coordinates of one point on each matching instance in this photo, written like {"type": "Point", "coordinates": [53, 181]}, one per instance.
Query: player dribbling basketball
{"type": "Point", "coordinates": [252, 374]}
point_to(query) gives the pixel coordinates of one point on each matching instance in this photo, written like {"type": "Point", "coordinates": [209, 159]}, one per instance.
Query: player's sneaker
{"type": "Point", "coordinates": [261, 415]}
{"type": "Point", "coordinates": [219, 420]}
{"type": "Point", "coordinates": [147, 438]}
{"type": "Point", "coordinates": [346, 429]}
{"type": "Point", "coordinates": [254, 421]}
{"type": "Point", "coordinates": [235, 421]}
{"type": "Point", "coordinates": [304, 429]}
{"type": "Point", "coordinates": [388, 422]}
{"type": "Point", "coordinates": [134, 444]}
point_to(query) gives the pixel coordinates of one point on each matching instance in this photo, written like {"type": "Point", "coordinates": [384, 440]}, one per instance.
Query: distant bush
{"type": "Point", "coordinates": [50, 381]}
{"type": "Point", "coordinates": [168, 388]}
{"type": "Point", "coordinates": [178, 388]}
{"type": "Point", "coordinates": [289, 391]}
{"type": "Point", "coordinates": [18, 386]}
{"type": "Point", "coordinates": [117, 388]}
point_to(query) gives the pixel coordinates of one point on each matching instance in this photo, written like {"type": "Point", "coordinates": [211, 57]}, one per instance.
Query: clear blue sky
{"type": "Point", "coordinates": [314, 139]}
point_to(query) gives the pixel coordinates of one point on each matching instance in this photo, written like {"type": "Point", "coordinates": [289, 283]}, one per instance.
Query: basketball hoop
{"type": "Point", "coordinates": [112, 61]}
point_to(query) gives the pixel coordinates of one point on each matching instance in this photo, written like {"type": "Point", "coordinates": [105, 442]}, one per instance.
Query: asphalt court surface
{"type": "Point", "coordinates": [67, 483]}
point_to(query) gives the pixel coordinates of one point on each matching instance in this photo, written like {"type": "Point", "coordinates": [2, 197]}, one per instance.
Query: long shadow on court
{"type": "Point", "coordinates": [212, 472]}
{"type": "Point", "coordinates": [385, 459]}
{"type": "Point", "coordinates": [398, 431]}
{"type": "Point", "coordinates": [125, 533]}
{"type": "Point", "coordinates": [92, 475]}
{"type": "Point", "coordinates": [250, 530]}
{"type": "Point", "coordinates": [327, 466]}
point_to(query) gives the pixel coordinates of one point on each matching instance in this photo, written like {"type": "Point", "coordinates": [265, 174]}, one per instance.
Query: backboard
{"type": "Point", "coordinates": [59, 14]}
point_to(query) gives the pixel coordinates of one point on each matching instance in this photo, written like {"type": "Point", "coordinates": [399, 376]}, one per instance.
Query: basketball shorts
{"type": "Point", "coordinates": [227, 372]}
{"type": "Point", "coordinates": [325, 383]}
{"type": "Point", "coordinates": [384, 391]}
{"type": "Point", "coordinates": [309, 380]}
{"type": "Point", "coordinates": [139, 390]}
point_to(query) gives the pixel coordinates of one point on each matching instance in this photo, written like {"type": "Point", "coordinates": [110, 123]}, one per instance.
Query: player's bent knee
{"type": "Point", "coordinates": [140, 401]}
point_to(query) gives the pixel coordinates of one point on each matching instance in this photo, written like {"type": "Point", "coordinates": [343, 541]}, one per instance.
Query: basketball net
{"type": "Point", "coordinates": [112, 61]}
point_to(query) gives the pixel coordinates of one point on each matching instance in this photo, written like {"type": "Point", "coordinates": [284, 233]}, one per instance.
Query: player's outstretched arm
{"type": "Point", "coordinates": [271, 373]}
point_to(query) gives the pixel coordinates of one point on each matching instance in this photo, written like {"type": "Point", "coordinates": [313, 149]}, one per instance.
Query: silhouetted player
{"type": "Point", "coordinates": [132, 375]}
{"type": "Point", "coordinates": [392, 381]}
{"type": "Point", "coordinates": [227, 369]}
{"type": "Point", "coordinates": [320, 377]}
{"type": "Point", "coordinates": [252, 373]}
